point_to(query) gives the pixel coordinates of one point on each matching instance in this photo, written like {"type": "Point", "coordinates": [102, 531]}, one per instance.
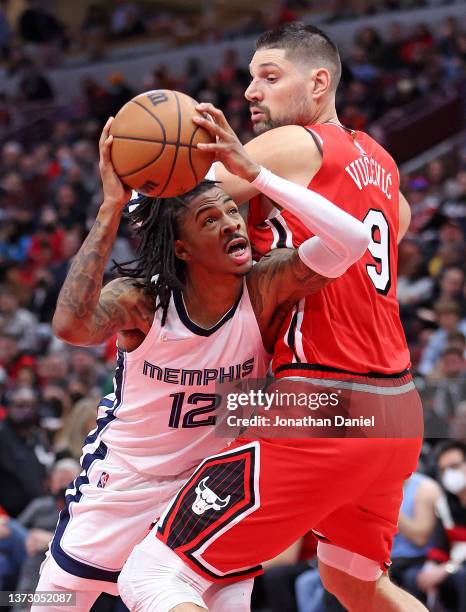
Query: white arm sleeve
{"type": "Point", "coordinates": [210, 176]}
{"type": "Point", "coordinates": [339, 239]}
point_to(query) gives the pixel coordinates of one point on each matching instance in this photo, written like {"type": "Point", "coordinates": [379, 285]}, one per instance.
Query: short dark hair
{"type": "Point", "coordinates": [156, 268]}
{"type": "Point", "coordinates": [303, 42]}
{"type": "Point", "coordinates": [449, 445]}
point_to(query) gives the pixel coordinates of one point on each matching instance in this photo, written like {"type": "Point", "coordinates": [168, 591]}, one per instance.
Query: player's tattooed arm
{"type": "Point", "coordinates": [275, 284]}
{"type": "Point", "coordinates": [85, 313]}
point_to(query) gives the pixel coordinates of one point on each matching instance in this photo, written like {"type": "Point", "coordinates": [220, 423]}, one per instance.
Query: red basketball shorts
{"type": "Point", "coordinates": [250, 502]}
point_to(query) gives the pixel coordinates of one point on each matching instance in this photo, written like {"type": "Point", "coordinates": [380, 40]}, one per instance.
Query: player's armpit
{"type": "Point", "coordinates": [121, 306]}
{"type": "Point", "coordinates": [404, 217]}
{"type": "Point", "coordinates": [288, 151]}
{"type": "Point", "coordinates": [275, 284]}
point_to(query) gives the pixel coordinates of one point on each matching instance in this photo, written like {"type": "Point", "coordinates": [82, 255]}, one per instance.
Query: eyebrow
{"type": "Point", "coordinates": [265, 65]}
{"type": "Point", "coordinates": [205, 207]}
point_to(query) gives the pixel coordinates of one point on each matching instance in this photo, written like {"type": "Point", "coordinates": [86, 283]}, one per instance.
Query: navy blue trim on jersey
{"type": "Point", "coordinates": [104, 421]}
{"type": "Point", "coordinates": [67, 563]}
{"type": "Point", "coordinates": [196, 329]}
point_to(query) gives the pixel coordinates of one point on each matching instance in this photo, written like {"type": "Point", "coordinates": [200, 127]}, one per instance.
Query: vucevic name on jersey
{"type": "Point", "coordinates": [353, 323]}
{"type": "Point", "coordinates": [177, 376]}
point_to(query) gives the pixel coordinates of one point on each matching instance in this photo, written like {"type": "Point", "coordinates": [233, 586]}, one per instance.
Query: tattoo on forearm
{"type": "Point", "coordinates": [79, 296]}
{"type": "Point", "coordinates": [82, 286]}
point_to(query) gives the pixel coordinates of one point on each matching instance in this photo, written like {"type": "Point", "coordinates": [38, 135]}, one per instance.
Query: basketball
{"type": "Point", "coordinates": [154, 144]}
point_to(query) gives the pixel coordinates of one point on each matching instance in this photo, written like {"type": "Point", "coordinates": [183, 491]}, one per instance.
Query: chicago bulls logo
{"type": "Point", "coordinates": [206, 499]}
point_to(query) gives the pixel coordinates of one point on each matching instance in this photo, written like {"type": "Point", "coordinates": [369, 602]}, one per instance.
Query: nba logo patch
{"type": "Point", "coordinates": [103, 480]}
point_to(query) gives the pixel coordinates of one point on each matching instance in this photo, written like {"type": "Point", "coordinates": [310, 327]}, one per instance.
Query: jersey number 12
{"type": "Point", "coordinates": [191, 417]}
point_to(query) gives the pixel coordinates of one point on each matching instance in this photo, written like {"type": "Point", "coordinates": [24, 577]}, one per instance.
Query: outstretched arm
{"type": "Point", "coordinates": [87, 314]}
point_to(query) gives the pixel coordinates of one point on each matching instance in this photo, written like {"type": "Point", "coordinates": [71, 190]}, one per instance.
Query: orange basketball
{"type": "Point", "coordinates": [154, 144]}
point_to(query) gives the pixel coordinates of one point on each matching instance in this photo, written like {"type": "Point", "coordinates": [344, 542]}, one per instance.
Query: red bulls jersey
{"type": "Point", "coordinates": [353, 324]}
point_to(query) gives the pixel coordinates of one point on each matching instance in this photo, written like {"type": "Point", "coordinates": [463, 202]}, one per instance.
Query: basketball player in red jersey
{"type": "Point", "coordinates": [348, 334]}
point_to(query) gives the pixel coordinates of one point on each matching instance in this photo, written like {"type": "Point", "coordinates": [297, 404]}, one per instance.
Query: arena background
{"type": "Point", "coordinates": [65, 67]}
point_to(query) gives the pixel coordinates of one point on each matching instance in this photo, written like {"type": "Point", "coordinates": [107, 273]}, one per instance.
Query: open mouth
{"type": "Point", "coordinates": [238, 248]}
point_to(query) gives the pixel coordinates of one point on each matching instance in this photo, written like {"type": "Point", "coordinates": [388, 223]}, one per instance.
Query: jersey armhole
{"type": "Point", "coordinates": [317, 139]}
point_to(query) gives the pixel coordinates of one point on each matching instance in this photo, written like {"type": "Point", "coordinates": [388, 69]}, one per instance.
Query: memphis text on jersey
{"type": "Point", "coordinates": [177, 376]}
{"type": "Point", "coordinates": [366, 171]}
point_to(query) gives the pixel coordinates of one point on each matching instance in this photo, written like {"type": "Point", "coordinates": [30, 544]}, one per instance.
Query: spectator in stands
{"type": "Point", "coordinates": [119, 91]}
{"type": "Point", "coordinates": [40, 518]}
{"type": "Point", "coordinates": [309, 592]}
{"type": "Point", "coordinates": [24, 453]}
{"type": "Point", "coordinates": [361, 67]}
{"type": "Point", "coordinates": [450, 247]}
{"type": "Point", "coordinates": [5, 31]}
{"type": "Point", "coordinates": [282, 571]}
{"type": "Point", "coordinates": [10, 358]}
{"type": "Point", "coordinates": [414, 284]}
{"type": "Point", "coordinates": [458, 423]}
{"type": "Point", "coordinates": [14, 244]}
{"type": "Point", "coordinates": [95, 30]}
{"type": "Point", "coordinates": [415, 526]}
{"type": "Point", "coordinates": [12, 551]}
{"type": "Point", "coordinates": [34, 85]}
{"type": "Point", "coordinates": [17, 321]}
{"type": "Point", "coordinates": [448, 33]}
{"type": "Point", "coordinates": [37, 25]}
{"type": "Point", "coordinates": [450, 285]}
{"type": "Point", "coordinates": [12, 153]}
{"type": "Point", "coordinates": [78, 423]}
{"type": "Point", "coordinates": [70, 215]}
{"type": "Point", "coordinates": [390, 55]}
{"type": "Point", "coordinates": [445, 571]}
{"type": "Point", "coordinates": [448, 319]}
{"type": "Point", "coordinates": [85, 368]}
{"type": "Point", "coordinates": [369, 40]}
{"type": "Point", "coordinates": [125, 19]}
{"type": "Point", "coordinates": [449, 377]}
{"type": "Point", "coordinates": [454, 206]}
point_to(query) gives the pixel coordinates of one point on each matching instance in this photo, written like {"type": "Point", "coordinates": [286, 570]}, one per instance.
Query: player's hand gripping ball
{"type": "Point", "coordinates": [154, 144]}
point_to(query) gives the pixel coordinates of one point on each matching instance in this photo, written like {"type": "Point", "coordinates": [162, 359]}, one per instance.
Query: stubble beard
{"type": "Point", "coordinates": [300, 114]}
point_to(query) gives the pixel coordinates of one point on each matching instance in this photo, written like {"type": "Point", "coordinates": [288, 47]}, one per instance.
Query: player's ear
{"type": "Point", "coordinates": [182, 250]}
{"type": "Point", "coordinates": [322, 82]}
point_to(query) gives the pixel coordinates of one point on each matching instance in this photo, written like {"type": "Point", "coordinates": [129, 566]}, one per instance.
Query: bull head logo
{"type": "Point", "coordinates": [206, 499]}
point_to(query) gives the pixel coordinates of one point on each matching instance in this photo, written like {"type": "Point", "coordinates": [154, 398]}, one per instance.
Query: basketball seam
{"type": "Point", "coordinates": [152, 161]}
{"type": "Point", "coordinates": [177, 145]}
{"type": "Point", "coordinates": [164, 142]}
{"type": "Point", "coordinates": [190, 153]}
{"type": "Point", "coordinates": [162, 127]}
{"type": "Point", "coordinates": [168, 142]}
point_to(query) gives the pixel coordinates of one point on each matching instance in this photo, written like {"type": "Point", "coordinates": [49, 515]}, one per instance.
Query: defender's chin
{"type": "Point", "coordinates": [260, 127]}
{"type": "Point", "coordinates": [244, 269]}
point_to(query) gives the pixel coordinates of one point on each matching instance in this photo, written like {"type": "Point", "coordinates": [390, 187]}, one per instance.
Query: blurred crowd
{"type": "Point", "coordinates": [38, 30]}
{"type": "Point", "coordinates": [49, 194]}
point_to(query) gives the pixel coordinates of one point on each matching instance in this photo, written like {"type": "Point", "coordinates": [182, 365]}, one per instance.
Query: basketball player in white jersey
{"type": "Point", "coordinates": [189, 312]}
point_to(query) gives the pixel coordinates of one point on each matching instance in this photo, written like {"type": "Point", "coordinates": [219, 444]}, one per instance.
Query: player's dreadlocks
{"type": "Point", "coordinates": [157, 269]}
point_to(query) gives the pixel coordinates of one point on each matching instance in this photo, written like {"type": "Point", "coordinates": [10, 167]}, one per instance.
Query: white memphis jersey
{"type": "Point", "coordinates": [160, 419]}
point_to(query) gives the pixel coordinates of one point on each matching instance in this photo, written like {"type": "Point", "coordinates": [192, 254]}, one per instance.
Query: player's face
{"type": "Point", "coordinates": [280, 92]}
{"type": "Point", "coordinates": [214, 236]}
